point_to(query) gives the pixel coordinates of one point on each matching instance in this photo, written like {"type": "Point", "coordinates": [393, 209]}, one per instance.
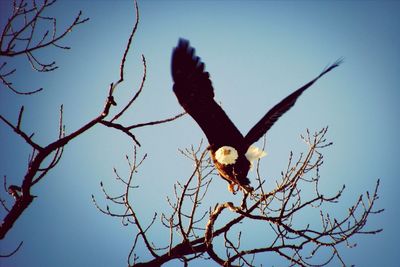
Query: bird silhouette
{"type": "Point", "coordinates": [231, 152]}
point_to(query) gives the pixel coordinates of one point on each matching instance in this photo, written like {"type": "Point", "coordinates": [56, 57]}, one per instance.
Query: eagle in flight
{"type": "Point", "coordinates": [231, 152]}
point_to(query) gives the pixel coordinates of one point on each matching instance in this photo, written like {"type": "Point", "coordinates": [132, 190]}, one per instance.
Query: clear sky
{"type": "Point", "coordinates": [257, 52]}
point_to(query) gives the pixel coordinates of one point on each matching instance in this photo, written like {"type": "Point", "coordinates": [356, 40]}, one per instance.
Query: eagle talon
{"type": "Point", "coordinates": [231, 188]}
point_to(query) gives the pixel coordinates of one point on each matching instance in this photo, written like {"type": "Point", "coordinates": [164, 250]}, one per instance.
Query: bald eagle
{"type": "Point", "coordinates": [231, 152]}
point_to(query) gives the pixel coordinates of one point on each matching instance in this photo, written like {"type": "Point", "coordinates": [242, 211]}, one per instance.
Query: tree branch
{"type": "Point", "coordinates": [19, 37]}
{"type": "Point", "coordinates": [292, 237]}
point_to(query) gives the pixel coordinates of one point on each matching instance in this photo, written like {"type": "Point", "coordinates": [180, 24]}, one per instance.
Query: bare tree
{"type": "Point", "coordinates": [278, 211]}
{"type": "Point", "coordinates": [45, 157]}
{"type": "Point", "coordinates": [195, 230]}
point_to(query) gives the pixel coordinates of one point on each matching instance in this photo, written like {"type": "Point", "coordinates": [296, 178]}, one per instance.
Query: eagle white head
{"type": "Point", "coordinates": [226, 155]}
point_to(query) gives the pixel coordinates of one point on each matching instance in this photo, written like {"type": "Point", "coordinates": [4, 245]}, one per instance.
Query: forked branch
{"type": "Point", "coordinates": [52, 152]}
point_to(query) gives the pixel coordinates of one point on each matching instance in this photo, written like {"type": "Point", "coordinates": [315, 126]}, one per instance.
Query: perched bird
{"type": "Point", "coordinates": [15, 191]}
{"type": "Point", "coordinates": [231, 152]}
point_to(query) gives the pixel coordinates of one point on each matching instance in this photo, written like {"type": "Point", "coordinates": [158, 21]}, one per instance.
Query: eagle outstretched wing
{"type": "Point", "coordinates": [193, 88]}
{"type": "Point", "coordinates": [279, 109]}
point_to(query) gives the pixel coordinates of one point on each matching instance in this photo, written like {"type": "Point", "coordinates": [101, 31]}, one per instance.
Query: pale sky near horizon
{"type": "Point", "coordinates": [257, 52]}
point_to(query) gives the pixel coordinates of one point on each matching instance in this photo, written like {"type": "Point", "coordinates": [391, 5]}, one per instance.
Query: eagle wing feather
{"type": "Point", "coordinates": [193, 88]}
{"type": "Point", "coordinates": [279, 109]}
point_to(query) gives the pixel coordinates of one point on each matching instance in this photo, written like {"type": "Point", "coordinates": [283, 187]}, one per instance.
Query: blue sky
{"type": "Point", "coordinates": [257, 52]}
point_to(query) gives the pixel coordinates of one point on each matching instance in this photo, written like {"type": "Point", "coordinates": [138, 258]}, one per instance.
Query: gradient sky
{"type": "Point", "coordinates": [257, 52]}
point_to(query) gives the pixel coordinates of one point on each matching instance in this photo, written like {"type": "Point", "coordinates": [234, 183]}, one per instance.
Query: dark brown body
{"type": "Point", "coordinates": [234, 174]}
